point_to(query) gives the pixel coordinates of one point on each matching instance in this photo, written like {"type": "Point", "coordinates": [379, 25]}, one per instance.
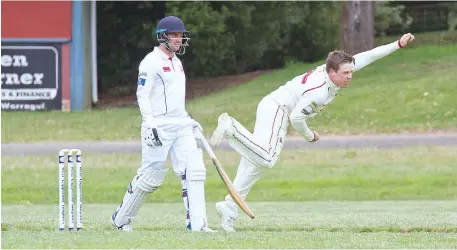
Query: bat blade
{"type": "Point", "coordinates": [231, 189]}
{"type": "Point", "coordinates": [225, 178]}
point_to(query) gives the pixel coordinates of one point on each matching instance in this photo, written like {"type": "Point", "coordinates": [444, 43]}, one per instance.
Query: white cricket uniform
{"type": "Point", "coordinates": [161, 96]}
{"type": "Point", "coordinates": [298, 100]}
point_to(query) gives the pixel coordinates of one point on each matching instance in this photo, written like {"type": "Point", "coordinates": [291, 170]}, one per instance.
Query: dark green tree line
{"type": "Point", "coordinates": [230, 37]}
{"type": "Point", "coordinates": [226, 37]}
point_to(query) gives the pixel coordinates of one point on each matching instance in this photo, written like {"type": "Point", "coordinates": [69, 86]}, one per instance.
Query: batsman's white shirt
{"type": "Point", "coordinates": [306, 95]}
{"type": "Point", "coordinates": [161, 85]}
{"type": "Point", "coordinates": [161, 96]}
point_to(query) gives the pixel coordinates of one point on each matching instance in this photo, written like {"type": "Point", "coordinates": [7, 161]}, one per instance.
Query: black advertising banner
{"type": "Point", "coordinates": [31, 77]}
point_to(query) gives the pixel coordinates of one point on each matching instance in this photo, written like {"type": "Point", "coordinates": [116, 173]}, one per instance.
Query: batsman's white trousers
{"type": "Point", "coordinates": [179, 142]}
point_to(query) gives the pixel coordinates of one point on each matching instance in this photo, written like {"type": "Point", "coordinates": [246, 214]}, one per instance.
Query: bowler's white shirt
{"type": "Point", "coordinates": [161, 86]}
{"type": "Point", "coordinates": [306, 95]}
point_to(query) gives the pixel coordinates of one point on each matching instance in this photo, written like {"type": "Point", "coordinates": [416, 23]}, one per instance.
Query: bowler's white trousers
{"type": "Point", "coordinates": [260, 149]}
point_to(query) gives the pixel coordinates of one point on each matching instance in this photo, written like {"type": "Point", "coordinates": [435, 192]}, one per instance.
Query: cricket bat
{"type": "Point", "coordinates": [225, 178]}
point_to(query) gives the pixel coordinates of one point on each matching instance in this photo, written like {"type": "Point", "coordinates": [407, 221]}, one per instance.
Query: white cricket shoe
{"type": "Point", "coordinates": [223, 124]}
{"type": "Point", "coordinates": [208, 230]}
{"type": "Point", "coordinates": [204, 229]}
{"type": "Point", "coordinates": [125, 228]}
{"type": "Point", "coordinates": [227, 216]}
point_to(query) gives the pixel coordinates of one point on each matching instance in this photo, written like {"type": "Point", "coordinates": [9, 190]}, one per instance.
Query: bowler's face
{"type": "Point", "coordinates": [343, 76]}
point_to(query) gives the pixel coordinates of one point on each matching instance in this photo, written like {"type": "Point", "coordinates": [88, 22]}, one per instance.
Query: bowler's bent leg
{"type": "Point", "coordinates": [264, 146]}
{"type": "Point", "coordinates": [270, 129]}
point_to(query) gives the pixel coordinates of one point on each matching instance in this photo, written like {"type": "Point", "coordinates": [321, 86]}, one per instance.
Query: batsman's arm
{"type": "Point", "coordinates": [145, 83]}
{"type": "Point", "coordinates": [304, 110]}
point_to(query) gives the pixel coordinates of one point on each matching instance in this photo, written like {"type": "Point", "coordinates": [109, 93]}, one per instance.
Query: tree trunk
{"type": "Point", "coordinates": [357, 26]}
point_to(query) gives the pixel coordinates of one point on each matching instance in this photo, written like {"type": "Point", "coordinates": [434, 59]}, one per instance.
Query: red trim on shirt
{"type": "Point", "coordinates": [399, 44]}
{"type": "Point", "coordinates": [305, 77]}
{"type": "Point", "coordinates": [314, 88]}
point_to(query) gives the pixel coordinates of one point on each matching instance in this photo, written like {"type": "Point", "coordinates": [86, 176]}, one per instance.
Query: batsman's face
{"type": "Point", "coordinates": [343, 76]}
{"type": "Point", "coordinates": [175, 40]}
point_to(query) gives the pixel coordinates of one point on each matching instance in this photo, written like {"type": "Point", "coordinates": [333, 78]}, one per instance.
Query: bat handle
{"type": "Point", "coordinates": [199, 135]}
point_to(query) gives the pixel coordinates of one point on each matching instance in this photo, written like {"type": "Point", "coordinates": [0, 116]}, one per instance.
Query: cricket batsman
{"type": "Point", "coordinates": [166, 129]}
{"type": "Point", "coordinates": [298, 100]}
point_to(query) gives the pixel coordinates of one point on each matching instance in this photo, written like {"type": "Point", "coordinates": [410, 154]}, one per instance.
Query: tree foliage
{"type": "Point", "coordinates": [391, 19]}
{"type": "Point", "coordinates": [226, 37]}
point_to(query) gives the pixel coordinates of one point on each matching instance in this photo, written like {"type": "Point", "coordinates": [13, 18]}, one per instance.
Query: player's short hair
{"type": "Point", "coordinates": [336, 58]}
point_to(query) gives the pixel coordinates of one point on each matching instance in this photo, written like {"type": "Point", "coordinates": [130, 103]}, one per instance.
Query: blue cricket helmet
{"type": "Point", "coordinates": [172, 24]}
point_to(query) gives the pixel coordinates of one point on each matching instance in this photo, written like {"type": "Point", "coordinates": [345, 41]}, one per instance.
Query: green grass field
{"type": "Point", "coordinates": [320, 198]}
{"type": "Point", "coordinates": [410, 90]}
{"type": "Point", "coordinates": [418, 173]}
{"type": "Point", "coordinates": [379, 224]}
{"type": "Point", "coordinates": [323, 198]}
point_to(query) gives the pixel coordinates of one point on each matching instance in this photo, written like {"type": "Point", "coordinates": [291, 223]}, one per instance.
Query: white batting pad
{"type": "Point", "coordinates": [195, 180]}
{"type": "Point", "coordinates": [139, 188]}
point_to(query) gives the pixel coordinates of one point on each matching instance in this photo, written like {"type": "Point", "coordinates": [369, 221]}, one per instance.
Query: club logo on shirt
{"type": "Point", "coordinates": [142, 78]}
{"type": "Point", "coordinates": [305, 112]}
{"type": "Point", "coordinates": [312, 109]}
{"type": "Point", "coordinates": [166, 69]}
{"type": "Point", "coordinates": [141, 81]}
